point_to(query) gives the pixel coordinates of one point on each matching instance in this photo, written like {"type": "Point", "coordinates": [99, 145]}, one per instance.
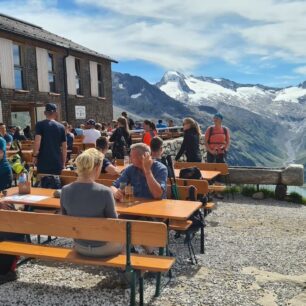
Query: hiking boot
{"type": "Point", "coordinates": [8, 277]}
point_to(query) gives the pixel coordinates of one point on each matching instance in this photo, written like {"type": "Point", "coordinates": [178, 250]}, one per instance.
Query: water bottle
{"type": "Point", "coordinates": [22, 178]}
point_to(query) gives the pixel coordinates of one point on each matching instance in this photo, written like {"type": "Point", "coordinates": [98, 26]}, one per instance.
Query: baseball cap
{"type": "Point", "coordinates": [50, 108]}
{"type": "Point", "coordinates": [91, 122]}
{"type": "Point", "coordinates": [218, 115]}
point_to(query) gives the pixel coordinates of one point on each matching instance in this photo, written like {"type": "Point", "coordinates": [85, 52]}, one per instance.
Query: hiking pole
{"type": "Point", "coordinates": [172, 174]}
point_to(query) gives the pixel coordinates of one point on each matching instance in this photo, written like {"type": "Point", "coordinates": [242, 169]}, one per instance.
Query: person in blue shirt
{"type": "Point", "coordinates": [50, 144]}
{"type": "Point", "coordinates": [6, 175]}
{"type": "Point", "coordinates": [161, 125]}
{"type": "Point", "coordinates": [148, 177]}
{"type": "Point", "coordinates": [5, 135]}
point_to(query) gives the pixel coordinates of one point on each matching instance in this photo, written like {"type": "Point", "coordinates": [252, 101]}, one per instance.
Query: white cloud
{"type": "Point", "coordinates": [177, 34]}
{"type": "Point", "coordinates": [300, 70]}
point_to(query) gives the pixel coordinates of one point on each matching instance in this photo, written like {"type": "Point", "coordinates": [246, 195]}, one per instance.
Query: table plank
{"type": "Point", "coordinates": [166, 208]}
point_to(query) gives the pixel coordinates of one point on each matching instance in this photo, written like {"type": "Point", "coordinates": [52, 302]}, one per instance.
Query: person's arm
{"type": "Point", "coordinates": [154, 186]}
{"type": "Point", "coordinates": [182, 149]}
{"type": "Point", "coordinates": [64, 153]}
{"type": "Point", "coordinates": [1, 154]}
{"type": "Point", "coordinates": [228, 140]}
{"type": "Point", "coordinates": [110, 209]}
{"type": "Point", "coordinates": [37, 141]}
{"type": "Point", "coordinates": [9, 143]}
{"type": "Point", "coordinates": [112, 170]}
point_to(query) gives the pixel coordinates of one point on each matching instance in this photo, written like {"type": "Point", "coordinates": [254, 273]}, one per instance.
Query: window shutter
{"type": "Point", "coordinates": [71, 73]}
{"type": "Point", "coordinates": [94, 78]}
{"type": "Point", "coordinates": [42, 70]}
{"type": "Point", "coordinates": [6, 63]}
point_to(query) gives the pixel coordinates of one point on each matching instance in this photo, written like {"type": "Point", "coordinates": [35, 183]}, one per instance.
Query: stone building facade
{"type": "Point", "coordinates": [38, 67]}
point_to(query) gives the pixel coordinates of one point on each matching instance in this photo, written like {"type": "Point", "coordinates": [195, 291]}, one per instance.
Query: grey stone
{"type": "Point", "coordinates": [258, 196]}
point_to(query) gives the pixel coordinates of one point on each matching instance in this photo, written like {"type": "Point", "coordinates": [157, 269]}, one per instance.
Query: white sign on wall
{"type": "Point", "coordinates": [80, 112]}
{"type": "Point", "coordinates": [1, 115]}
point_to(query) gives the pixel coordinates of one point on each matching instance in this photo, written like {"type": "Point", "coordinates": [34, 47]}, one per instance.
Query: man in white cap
{"type": "Point", "coordinates": [50, 146]}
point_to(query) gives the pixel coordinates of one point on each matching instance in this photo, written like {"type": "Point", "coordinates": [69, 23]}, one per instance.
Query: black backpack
{"type": "Point", "coordinates": [51, 182]}
{"type": "Point", "coordinates": [190, 173]}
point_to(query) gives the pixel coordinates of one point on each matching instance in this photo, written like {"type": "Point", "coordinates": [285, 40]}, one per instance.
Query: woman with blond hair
{"type": "Point", "coordinates": [121, 139]}
{"type": "Point", "coordinates": [86, 198]}
{"type": "Point", "coordinates": [191, 142]}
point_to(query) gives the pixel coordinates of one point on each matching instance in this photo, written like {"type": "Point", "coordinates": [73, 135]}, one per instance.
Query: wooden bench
{"type": "Point", "coordinates": [125, 232]}
{"type": "Point", "coordinates": [65, 180]}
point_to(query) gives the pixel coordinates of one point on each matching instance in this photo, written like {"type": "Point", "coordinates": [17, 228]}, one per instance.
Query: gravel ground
{"type": "Point", "coordinates": [255, 255]}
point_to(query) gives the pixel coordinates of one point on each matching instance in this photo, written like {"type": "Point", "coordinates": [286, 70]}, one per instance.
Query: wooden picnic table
{"type": "Point", "coordinates": [10, 153]}
{"type": "Point", "coordinates": [164, 209]}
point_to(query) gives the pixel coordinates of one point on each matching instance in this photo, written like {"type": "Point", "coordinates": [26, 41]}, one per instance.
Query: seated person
{"type": "Point", "coordinates": [157, 150]}
{"type": "Point", "coordinates": [102, 145]}
{"type": "Point", "coordinates": [6, 175]}
{"type": "Point", "coordinates": [148, 177]}
{"type": "Point", "coordinates": [86, 198]}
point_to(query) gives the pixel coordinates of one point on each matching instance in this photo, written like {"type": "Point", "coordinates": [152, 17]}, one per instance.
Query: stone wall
{"type": "Point", "coordinates": [171, 147]}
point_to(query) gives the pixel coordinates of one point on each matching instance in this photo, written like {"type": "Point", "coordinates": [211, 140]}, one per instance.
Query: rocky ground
{"type": "Point", "coordinates": [255, 255]}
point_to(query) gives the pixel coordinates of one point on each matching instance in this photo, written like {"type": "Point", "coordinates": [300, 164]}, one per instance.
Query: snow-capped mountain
{"type": "Point", "coordinates": [267, 123]}
{"type": "Point", "coordinates": [256, 98]}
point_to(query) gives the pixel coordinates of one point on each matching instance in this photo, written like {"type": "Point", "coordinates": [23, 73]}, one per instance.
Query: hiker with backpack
{"type": "Point", "coordinates": [191, 142]}
{"type": "Point", "coordinates": [217, 140]}
{"type": "Point", "coordinates": [149, 132]}
{"type": "Point", "coordinates": [121, 139]}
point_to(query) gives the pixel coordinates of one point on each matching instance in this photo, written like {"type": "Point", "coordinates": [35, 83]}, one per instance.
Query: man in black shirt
{"type": "Point", "coordinates": [50, 146]}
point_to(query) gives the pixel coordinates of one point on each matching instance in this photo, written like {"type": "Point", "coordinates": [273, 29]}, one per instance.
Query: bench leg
{"type": "Point", "coordinates": [202, 240]}
{"type": "Point", "coordinates": [158, 280]}
{"type": "Point", "coordinates": [133, 288]}
{"type": "Point", "coordinates": [141, 288]}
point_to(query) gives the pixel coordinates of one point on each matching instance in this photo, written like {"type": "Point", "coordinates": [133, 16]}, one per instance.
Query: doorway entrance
{"type": "Point", "coordinates": [23, 114]}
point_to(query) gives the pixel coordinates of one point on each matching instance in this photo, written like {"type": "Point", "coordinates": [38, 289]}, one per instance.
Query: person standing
{"type": "Point", "coordinates": [217, 140]}
{"type": "Point", "coordinates": [121, 139]}
{"type": "Point", "coordinates": [130, 121]}
{"type": "Point", "coordinates": [6, 175]}
{"type": "Point", "coordinates": [191, 141]}
{"type": "Point", "coordinates": [50, 145]}
{"type": "Point", "coordinates": [149, 132]}
{"type": "Point", "coordinates": [91, 134]}
{"type": "Point", "coordinates": [5, 135]}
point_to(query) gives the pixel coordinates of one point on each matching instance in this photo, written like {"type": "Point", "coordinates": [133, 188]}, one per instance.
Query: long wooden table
{"type": "Point", "coordinates": [164, 209]}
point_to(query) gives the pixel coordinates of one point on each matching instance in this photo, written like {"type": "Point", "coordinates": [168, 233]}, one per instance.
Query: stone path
{"type": "Point", "coordinates": [255, 255]}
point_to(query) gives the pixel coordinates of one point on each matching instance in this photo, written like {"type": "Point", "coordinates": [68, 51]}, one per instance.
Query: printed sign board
{"type": "Point", "coordinates": [80, 112]}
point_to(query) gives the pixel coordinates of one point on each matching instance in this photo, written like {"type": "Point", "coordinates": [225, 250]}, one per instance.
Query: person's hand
{"type": "Point", "coordinates": [147, 162]}
{"type": "Point", "coordinates": [118, 195]}
{"type": "Point", "coordinates": [34, 160]}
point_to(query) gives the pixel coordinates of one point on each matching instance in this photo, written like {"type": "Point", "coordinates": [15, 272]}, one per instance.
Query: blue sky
{"type": "Point", "coordinates": [242, 40]}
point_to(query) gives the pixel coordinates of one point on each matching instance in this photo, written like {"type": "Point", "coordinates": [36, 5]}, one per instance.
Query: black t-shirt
{"type": "Point", "coordinates": [52, 134]}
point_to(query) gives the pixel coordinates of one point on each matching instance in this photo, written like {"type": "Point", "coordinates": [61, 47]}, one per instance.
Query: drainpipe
{"type": "Point", "coordinates": [65, 85]}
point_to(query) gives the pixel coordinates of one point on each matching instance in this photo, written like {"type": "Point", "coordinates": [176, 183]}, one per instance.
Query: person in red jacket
{"type": "Point", "coordinates": [217, 140]}
{"type": "Point", "coordinates": [149, 132]}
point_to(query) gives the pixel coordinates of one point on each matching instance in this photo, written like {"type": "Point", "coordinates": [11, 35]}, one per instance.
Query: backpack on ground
{"type": "Point", "coordinates": [190, 173]}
